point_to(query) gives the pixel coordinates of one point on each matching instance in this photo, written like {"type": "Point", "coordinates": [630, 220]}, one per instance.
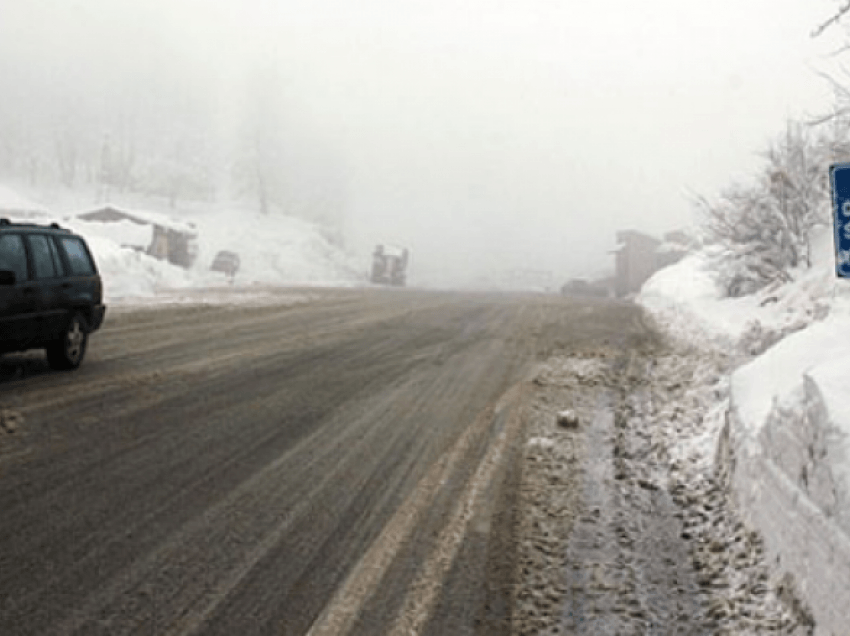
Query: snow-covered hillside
{"type": "Point", "coordinates": [788, 408]}
{"type": "Point", "coordinates": [273, 250]}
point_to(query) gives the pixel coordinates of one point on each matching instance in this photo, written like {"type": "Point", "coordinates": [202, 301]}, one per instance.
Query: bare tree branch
{"type": "Point", "coordinates": [842, 11]}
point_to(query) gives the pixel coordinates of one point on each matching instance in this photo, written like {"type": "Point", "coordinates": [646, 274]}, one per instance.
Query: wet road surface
{"type": "Point", "coordinates": [337, 466]}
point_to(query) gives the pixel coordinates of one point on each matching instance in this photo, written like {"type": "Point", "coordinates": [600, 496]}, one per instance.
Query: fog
{"type": "Point", "coordinates": [484, 136]}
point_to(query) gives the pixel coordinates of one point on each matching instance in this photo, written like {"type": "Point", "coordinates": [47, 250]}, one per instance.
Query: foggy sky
{"type": "Point", "coordinates": [484, 135]}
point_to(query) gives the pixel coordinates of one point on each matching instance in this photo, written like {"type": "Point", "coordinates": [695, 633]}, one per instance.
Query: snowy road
{"type": "Point", "coordinates": [334, 465]}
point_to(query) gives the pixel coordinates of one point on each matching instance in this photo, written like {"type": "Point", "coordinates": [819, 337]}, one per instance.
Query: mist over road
{"type": "Point", "coordinates": [336, 466]}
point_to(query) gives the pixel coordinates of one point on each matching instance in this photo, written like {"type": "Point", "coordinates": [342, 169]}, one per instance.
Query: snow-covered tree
{"type": "Point", "coordinates": [761, 231]}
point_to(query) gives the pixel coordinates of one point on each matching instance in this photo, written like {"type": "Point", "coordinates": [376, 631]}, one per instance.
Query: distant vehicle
{"type": "Point", "coordinates": [51, 295]}
{"type": "Point", "coordinates": [581, 287]}
{"type": "Point", "coordinates": [227, 263]}
{"type": "Point", "coordinates": [389, 265]}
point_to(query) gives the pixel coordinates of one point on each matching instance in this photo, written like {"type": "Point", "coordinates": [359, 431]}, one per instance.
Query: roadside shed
{"type": "Point", "coordinates": [171, 240]}
{"type": "Point", "coordinates": [635, 260]}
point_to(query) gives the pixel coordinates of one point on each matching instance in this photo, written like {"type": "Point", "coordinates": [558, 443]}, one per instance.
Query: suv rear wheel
{"type": "Point", "coordinates": [67, 351]}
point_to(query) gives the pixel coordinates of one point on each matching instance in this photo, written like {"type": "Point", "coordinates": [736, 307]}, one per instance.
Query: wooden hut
{"type": "Point", "coordinates": [171, 240]}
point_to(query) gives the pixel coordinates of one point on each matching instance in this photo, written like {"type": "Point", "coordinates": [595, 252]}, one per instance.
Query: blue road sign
{"type": "Point", "coordinates": [839, 181]}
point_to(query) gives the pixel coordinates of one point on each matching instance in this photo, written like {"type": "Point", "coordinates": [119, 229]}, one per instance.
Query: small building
{"type": "Point", "coordinates": [636, 261]}
{"type": "Point", "coordinates": [170, 239]}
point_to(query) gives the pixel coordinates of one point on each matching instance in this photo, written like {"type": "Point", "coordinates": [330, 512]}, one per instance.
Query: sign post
{"type": "Point", "coordinates": [839, 182]}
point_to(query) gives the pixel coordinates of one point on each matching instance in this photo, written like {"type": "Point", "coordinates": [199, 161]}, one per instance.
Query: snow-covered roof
{"type": "Point", "coordinates": [671, 247]}
{"type": "Point", "coordinates": [393, 250]}
{"type": "Point", "coordinates": [144, 216]}
{"type": "Point", "coordinates": [11, 201]}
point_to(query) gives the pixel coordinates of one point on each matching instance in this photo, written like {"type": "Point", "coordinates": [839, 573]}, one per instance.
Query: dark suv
{"type": "Point", "coordinates": [51, 295]}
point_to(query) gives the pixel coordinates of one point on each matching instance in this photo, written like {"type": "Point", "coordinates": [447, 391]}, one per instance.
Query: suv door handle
{"type": "Point", "coordinates": [29, 290]}
{"type": "Point", "coordinates": [66, 285]}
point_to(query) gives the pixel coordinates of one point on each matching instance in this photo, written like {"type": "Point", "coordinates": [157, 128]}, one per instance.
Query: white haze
{"type": "Point", "coordinates": [485, 136]}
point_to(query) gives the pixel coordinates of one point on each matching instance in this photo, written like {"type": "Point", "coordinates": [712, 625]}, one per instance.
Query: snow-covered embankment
{"type": "Point", "coordinates": [785, 447]}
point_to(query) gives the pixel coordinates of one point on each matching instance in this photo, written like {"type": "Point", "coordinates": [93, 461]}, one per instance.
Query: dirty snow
{"type": "Point", "coordinates": [624, 527]}
{"type": "Point", "coordinates": [788, 409]}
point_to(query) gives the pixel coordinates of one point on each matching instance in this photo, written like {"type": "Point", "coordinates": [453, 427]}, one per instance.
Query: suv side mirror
{"type": "Point", "coordinates": [7, 277]}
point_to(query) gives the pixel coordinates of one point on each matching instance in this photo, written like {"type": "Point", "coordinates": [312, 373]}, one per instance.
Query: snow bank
{"type": "Point", "coordinates": [786, 442]}
{"type": "Point", "coordinates": [790, 471]}
{"type": "Point", "coordinates": [129, 274]}
{"type": "Point", "coordinates": [684, 300]}
{"type": "Point", "coordinates": [687, 301]}
{"type": "Point", "coordinates": [791, 405]}
{"type": "Point", "coordinates": [776, 378]}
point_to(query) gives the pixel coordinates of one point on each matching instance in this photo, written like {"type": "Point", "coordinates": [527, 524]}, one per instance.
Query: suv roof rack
{"type": "Point", "coordinates": [53, 226]}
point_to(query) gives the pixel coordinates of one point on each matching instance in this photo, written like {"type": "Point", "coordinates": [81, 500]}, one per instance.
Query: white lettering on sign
{"type": "Point", "coordinates": [845, 207]}
{"type": "Point", "coordinates": [843, 258]}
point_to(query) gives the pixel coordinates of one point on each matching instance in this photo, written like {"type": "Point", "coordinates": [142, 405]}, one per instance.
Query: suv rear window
{"type": "Point", "coordinates": [12, 255]}
{"type": "Point", "coordinates": [78, 256]}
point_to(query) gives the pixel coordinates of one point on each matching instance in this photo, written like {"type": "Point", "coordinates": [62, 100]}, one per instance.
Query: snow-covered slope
{"type": "Point", "coordinates": [273, 250]}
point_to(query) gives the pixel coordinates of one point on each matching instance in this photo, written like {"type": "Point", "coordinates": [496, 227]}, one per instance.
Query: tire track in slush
{"type": "Point", "coordinates": [381, 349]}
{"type": "Point", "coordinates": [340, 614]}
{"type": "Point", "coordinates": [287, 499]}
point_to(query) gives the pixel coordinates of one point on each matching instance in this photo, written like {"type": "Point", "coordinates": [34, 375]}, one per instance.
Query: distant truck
{"type": "Point", "coordinates": [389, 265]}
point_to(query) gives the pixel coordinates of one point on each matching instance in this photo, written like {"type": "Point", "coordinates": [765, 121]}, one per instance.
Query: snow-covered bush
{"type": "Point", "coordinates": [762, 231]}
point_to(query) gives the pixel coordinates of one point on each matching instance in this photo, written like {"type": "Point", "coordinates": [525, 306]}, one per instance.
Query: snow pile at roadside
{"type": "Point", "coordinates": [128, 274]}
{"type": "Point", "coordinates": [684, 300]}
{"type": "Point", "coordinates": [278, 251]}
{"type": "Point", "coordinates": [792, 408]}
{"type": "Point", "coordinates": [688, 302]}
{"type": "Point", "coordinates": [788, 437]}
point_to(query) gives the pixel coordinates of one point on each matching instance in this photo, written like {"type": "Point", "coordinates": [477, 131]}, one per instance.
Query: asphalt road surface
{"type": "Point", "coordinates": [337, 466]}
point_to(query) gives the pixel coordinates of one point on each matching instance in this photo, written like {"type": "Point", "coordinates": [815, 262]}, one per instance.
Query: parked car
{"type": "Point", "coordinates": [51, 295]}
{"type": "Point", "coordinates": [227, 263]}
{"type": "Point", "coordinates": [581, 287]}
